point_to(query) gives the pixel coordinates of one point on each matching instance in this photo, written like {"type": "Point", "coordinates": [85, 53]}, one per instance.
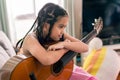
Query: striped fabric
{"type": "Point", "coordinates": [94, 61]}
{"type": "Point", "coordinates": [103, 63]}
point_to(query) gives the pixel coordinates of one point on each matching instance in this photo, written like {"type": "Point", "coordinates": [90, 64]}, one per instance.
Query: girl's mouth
{"type": "Point", "coordinates": [60, 36]}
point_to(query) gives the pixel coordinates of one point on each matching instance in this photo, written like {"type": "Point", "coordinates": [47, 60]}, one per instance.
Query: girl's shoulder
{"type": "Point", "coordinates": [31, 37]}
{"type": "Point", "coordinates": [33, 34]}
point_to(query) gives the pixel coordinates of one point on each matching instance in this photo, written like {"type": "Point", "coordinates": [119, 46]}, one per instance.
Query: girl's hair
{"type": "Point", "coordinates": [50, 13]}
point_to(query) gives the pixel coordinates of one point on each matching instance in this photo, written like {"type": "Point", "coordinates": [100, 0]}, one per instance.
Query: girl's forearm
{"type": "Point", "coordinates": [54, 56]}
{"type": "Point", "coordinates": [76, 46]}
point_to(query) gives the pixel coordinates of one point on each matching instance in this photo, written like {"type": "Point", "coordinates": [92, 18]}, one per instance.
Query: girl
{"type": "Point", "coordinates": [51, 23]}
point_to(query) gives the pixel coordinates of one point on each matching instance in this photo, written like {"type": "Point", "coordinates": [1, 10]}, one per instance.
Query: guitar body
{"type": "Point", "coordinates": [22, 67]}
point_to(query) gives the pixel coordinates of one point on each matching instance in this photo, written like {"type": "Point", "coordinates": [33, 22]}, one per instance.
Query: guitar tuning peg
{"type": "Point", "coordinates": [95, 20]}
{"type": "Point", "coordinates": [93, 24]}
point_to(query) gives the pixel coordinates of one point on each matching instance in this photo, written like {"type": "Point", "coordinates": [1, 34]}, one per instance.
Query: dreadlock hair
{"type": "Point", "coordinates": [50, 14]}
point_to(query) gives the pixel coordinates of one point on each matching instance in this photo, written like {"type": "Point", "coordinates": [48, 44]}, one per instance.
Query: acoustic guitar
{"type": "Point", "coordinates": [26, 67]}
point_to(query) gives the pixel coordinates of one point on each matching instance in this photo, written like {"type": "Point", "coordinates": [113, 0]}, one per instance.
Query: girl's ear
{"type": "Point", "coordinates": [46, 27]}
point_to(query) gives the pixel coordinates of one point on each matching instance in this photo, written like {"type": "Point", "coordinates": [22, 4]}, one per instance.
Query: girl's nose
{"type": "Point", "coordinates": [62, 31]}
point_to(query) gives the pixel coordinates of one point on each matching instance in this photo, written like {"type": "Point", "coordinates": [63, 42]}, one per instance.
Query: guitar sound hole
{"type": "Point", "coordinates": [57, 67]}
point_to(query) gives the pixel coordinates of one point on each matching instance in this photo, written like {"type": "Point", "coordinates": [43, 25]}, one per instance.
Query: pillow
{"type": "Point", "coordinates": [6, 44]}
{"type": "Point", "coordinates": [6, 49]}
{"type": "Point", "coordinates": [96, 43]}
{"type": "Point", "coordinates": [3, 56]}
{"type": "Point", "coordinates": [103, 63]}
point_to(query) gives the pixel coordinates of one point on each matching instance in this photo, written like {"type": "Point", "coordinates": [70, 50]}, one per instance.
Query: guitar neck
{"type": "Point", "coordinates": [90, 36]}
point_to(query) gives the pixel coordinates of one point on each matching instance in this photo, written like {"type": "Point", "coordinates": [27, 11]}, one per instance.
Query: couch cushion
{"type": "Point", "coordinates": [6, 48]}
{"type": "Point", "coordinates": [3, 56]}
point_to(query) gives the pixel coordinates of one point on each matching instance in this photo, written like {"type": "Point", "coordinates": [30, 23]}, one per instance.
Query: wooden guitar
{"type": "Point", "coordinates": [26, 67]}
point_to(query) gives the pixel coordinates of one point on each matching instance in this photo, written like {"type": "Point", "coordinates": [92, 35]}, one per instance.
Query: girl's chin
{"type": "Point", "coordinates": [56, 39]}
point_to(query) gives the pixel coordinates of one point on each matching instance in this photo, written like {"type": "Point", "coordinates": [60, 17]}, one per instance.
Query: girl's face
{"type": "Point", "coordinates": [58, 28]}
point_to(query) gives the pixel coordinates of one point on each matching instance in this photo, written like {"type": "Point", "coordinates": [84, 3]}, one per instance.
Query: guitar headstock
{"type": "Point", "coordinates": [98, 24]}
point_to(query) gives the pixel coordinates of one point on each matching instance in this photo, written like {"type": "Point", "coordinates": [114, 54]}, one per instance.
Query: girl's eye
{"type": "Point", "coordinates": [61, 26]}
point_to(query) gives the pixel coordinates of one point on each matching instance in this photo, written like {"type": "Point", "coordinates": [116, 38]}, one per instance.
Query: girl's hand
{"type": "Point", "coordinates": [57, 46]}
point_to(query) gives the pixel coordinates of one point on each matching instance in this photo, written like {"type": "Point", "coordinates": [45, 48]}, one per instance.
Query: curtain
{"type": "Point", "coordinates": [0, 24]}
{"type": "Point", "coordinates": [6, 20]}
{"type": "Point", "coordinates": [69, 6]}
{"type": "Point", "coordinates": [74, 8]}
{"type": "Point", "coordinates": [3, 18]}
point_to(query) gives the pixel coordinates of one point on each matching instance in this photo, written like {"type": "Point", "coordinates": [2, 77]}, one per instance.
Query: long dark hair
{"type": "Point", "coordinates": [50, 13]}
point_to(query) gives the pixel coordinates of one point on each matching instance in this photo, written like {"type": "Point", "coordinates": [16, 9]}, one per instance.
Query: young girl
{"type": "Point", "coordinates": [51, 23]}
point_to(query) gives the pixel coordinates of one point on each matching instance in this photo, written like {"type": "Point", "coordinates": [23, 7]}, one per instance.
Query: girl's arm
{"type": "Point", "coordinates": [32, 46]}
{"type": "Point", "coordinates": [75, 44]}
{"type": "Point", "coordinates": [70, 43]}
